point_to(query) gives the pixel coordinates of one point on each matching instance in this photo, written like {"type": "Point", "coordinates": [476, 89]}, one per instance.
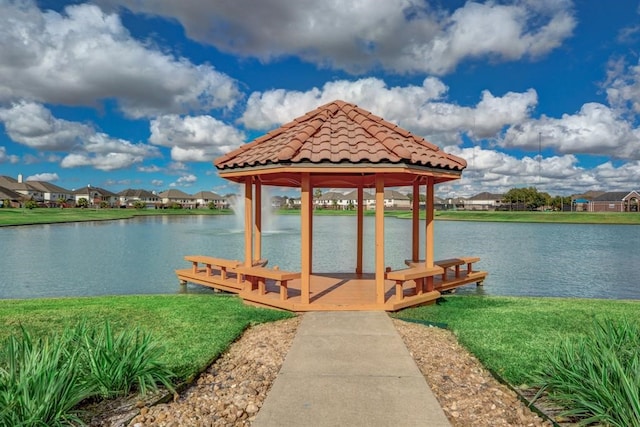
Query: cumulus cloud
{"type": "Point", "coordinates": [420, 109]}
{"type": "Point", "coordinates": [184, 181]}
{"type": "Point", "coordinates": [33, 125]}
{"type": "Point", "coordinates": [623, 86]}
{"type": "Point", "coordinates": [47, 177]}
{"type": "Point", "coordinates": [194, 138]}
{"type": "Point", "coordinates": [84, 56]}
{"type": "Point", "coordinates": [6, 158]}
{"type": "Point", "coordinates": [595, 129]}
{"type": "Point", "coordinates": [403, 36]}
{"type": "Point", "coordinates": [497, 172]}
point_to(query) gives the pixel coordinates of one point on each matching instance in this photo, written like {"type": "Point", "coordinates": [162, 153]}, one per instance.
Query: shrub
{"type": "Point", "coordinates": [597, 377]}
{"type": "Point", "coordinates": [43, 380]}
{"type": "Point", "coordinates": [119, 364]}
{"type": "Point", "coordinates": [40, 381]}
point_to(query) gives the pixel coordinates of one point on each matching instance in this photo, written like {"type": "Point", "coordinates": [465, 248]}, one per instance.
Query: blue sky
{"type": "Point", "coordinates": [128, 94]}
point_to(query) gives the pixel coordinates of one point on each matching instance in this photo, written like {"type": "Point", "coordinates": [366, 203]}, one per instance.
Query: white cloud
{"type": "Point", "coordinates": [6, 158]}
{"type": "Point", "coordinates": [595, 129]}
{"type": "Point", "coordinates": [420, 109]}
{"type": "Point", "coordinates": [498, 172]}
{"type": "Point", "coordinates": [157, 182]}
{"type": "Point", "coordinates": [398, 35]}
{"type": "Point", "coordinates": [33, 125]}
{"type": "Point", "coordinates": [194, 138]}
{"type": "Point", "coordinates": [623, 86]}
{"type": "Point", "coordinates": [149, 169]}
{"type": "Point", "coordinates": [184, 181]}
{"type": "Point", "coordinates": [84, 56]}
{"type": "Point", "coordinates": [47, 177]}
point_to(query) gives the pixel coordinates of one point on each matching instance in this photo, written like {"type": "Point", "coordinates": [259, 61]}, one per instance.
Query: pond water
{"type": "Point", "coordinates": [139, 256]}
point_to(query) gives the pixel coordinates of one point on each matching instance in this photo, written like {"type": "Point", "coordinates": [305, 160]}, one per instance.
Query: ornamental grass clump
{"type": "Point", "coordinates": [118, 364]}
{"type": "Point", "coordinates": [44, 380]}
{"type": "Point", "coordinates": [41, 380]}
{"type": "Point", "coordinates": [597, 376]}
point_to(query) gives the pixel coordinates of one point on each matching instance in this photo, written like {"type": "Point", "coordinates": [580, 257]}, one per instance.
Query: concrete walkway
{"type": "Point", "coordinates": [349, 369]}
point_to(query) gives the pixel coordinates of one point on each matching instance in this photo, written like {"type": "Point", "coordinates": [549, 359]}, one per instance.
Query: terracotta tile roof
{"type": "Point", "coordinates": [339, 132]}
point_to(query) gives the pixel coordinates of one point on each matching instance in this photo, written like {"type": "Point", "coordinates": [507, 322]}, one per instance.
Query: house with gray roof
{"type": "Point", "coordinates": [96, 196]}
{"type": "Point", "coordinates": [483, 201]}
{"type": "Point", "coordinates": [616, 201]}
{"type": "Point", "coordinates": [130, 197]}
{"type": "Point", "coordinates": [172, 196]}
{"type": "Point", "coordinates": [204, 198]}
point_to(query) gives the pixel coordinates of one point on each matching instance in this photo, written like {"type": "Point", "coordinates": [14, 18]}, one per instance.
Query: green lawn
{"type": "Point", "coordinates": [194, 329]}
{"type": "Point", "coordinates": [54, 215]}
{"type": "Point", "coordinates": [511, 335]}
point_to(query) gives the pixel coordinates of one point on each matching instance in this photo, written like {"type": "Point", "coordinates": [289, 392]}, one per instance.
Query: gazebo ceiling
{"type": "Point", "coordinates": [343, 146]}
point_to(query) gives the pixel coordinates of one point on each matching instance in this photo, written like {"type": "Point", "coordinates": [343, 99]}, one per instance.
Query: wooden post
{"type": "Point", "coordinates": [428, 254]}
{"type": "Point", "coordinates": [360, 231]}
{"type": "Point", "coordinates": [248, 226]}
{"type": "Point", "coordinates": [257, 250]}
{"type": "Point", "coordinates": [380, 267]}
{"type": "Point", "coordinates": [415, 235]}
{"type": "Point", "coordinates": [305, 233]}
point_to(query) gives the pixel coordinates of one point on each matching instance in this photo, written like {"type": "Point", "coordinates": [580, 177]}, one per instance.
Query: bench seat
{"type": "Point", "coordinates": [418, 273]}
{"type": "Point", "coordinates": [258, 275]}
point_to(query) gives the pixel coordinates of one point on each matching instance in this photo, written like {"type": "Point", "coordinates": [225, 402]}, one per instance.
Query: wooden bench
{"type": "Point", "coordinates": [211, 263]}
{"type": "Point", "coordinates": [258, 275]}
{"type": "Point", "coordinates": [422, 276]}
{"type": "Point", "coordinates": [446, 264]}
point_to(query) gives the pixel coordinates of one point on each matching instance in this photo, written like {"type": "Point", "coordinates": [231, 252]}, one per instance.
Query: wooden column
{"type": "Point", "coordinates": [380, 267]}
{"type": "Point", "coordinates": [360, 230]}
{"type": "Point", "coordinates": [257, 244]}
{"type": "Point", "coordinates": [248, 226]}
{"type": "Point", "coordinates": [305, 233]}
{"type": "Point", "coordinates": [428, 254]}
{"type": "Point", "coordinates": [415, 222]}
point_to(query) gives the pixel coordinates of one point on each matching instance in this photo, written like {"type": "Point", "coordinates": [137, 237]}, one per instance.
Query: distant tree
{"type": "Point", "coordinates": [82, 202]}
{"type": "Point", "coordinates": [529, 198]}
{"type": "Point", "coordinates": [104, 204]}
{"type": "Point", "coordinates": [175, 205]}
{"type": "Point", "coordinates": [30, 204]}
{"type": "Point", "coordinates": [211, 205]}
{"type": "Point", "coordinates": [61, 202]}
{"type": "Point", "coordinates": [139, 204]}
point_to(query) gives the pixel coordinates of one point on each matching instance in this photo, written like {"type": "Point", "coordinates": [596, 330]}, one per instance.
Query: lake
{"type": "Point", "coordinates": [139, 256]}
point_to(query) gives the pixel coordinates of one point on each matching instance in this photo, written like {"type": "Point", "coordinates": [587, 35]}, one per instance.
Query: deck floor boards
{"type": "Point", "coordinates": [334, 291]}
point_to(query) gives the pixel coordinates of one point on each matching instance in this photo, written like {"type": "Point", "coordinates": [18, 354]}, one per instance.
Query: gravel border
{"type": "Point", "coordinates": [233, 389]}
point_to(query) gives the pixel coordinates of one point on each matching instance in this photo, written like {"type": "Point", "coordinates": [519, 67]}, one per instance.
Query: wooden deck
{"type": "Point", "coordinates": [329, 291]}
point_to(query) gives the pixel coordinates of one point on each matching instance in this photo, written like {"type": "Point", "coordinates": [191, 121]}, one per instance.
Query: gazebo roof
{"type": "Point", "coordinates": [341, 145]}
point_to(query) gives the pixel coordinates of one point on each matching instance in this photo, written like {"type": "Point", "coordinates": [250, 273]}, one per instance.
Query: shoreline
{"type": "Point", "coordinates": [10, 217]}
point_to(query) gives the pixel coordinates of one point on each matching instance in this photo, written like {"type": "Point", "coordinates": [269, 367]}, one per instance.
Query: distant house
{"type": "Point", "coordinates": [96, 196]}
{"type": "Point", "coordinates": [483, 201]}
{"type": "Point", "coordinates": [22, 188]}
{"type": "Point", "coordinates": [11, 199]}
{"type": "Point", "coordinates": [51, 193]}
{"type": "Point", "coordinates": [128, 198]}
{"type": "Point", "coordinates": [203, 198]}
{"type": "Point", "coordinates": [616, 201]}
{"type": "Point", "coordinates": [333, 200]}
{"type": "Point", "coordinates": [396, 200]}
{"type": "Point", "coordinates": [172, 196]}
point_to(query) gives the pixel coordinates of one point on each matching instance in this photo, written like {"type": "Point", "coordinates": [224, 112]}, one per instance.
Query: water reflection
{"type": "Point", "coordinates": [139, 256]}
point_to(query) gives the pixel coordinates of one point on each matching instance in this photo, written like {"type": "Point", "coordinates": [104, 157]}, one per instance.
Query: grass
{"type": "Point", "coordinates": [511, 336]}
{"type": "Point", "coordinates": [54, 215]}
{"type": "Point", "coordinates": [632, 218]}
{"type": "Point", "coordinates": [194, 329]}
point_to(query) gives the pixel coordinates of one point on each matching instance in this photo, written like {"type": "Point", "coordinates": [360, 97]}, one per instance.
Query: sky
{"type": "Point", "coordinates": [125, 94]}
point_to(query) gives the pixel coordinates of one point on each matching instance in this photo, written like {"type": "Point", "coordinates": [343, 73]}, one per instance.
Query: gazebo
{"type": "Point", "coordinates": [338, 145]}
